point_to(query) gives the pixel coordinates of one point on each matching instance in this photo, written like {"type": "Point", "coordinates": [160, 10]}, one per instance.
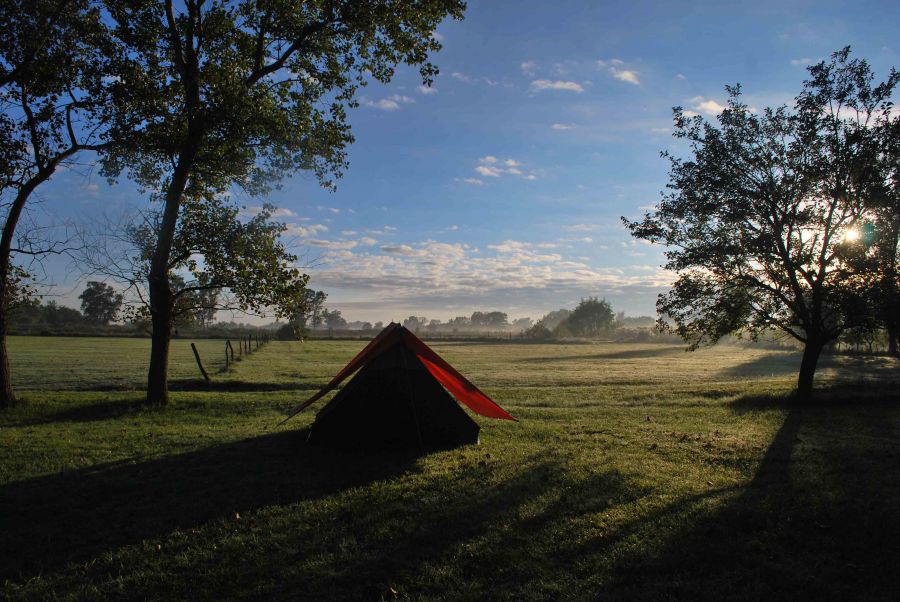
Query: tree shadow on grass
{"type": "Point", "coordinates": [818, 520]}
{"type": "Point", "coordinates": [661, 350]}
{"type": "Point", "coordinates": [240, 385]}
{"type": "Point", "coordinates": [75, 515]}
{"type": "Point", "coordinates": [372, 533]}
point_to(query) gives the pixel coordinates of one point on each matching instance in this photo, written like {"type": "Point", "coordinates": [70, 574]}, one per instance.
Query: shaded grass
{"type": "Point", "coordinates": [649, 475]}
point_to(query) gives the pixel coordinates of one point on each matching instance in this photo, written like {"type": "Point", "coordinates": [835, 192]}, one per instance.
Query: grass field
{"type": "Point", "coordinates": [636, 471]}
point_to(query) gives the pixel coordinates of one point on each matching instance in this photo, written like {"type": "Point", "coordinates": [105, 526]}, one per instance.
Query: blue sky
{"type": "Point", "coordinates": [501, 187]}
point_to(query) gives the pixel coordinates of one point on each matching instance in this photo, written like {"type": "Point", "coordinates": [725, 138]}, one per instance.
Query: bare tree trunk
{"type": "Point", "coordinates": [161, 320]}
{"type": "Point", "coordinates": [811, 353]}
{"type": "Point", "coordinates": [161, 298]}
{"type": "Point", "coordinates": [7, 395]}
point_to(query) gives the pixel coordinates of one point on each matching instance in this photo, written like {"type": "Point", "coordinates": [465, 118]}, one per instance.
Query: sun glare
{"type": "Point", "coordinates": [851, 235]}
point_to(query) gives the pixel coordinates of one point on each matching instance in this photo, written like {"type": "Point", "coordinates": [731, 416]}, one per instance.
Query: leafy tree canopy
{"type": "Point", "coordinates": [756, 216]}
{"type": "Point", "coordinates": [100, 302]}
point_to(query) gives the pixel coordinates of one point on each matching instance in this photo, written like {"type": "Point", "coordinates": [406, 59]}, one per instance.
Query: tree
{"type": "Point", "coordinates": [554, 318]}
{"type": "Point", "coordinates": [755, 218]}
{"type": "Point", "coordinates": [413, 323]}
{"type": "Point", "coordinates": [522, 324]}
{"type": "Point", "coordinates": [333, 319]}
{"type": "Point", "coordinates": [214, 95]}
{"type": "Point", "coordinates": [590, 318]}
{"type": "Point", "coordinates": [52, 68]}
{"type": "Point", "coordinates": [100, 303]}
{"type": "Point", "coordinates": [309, 312]}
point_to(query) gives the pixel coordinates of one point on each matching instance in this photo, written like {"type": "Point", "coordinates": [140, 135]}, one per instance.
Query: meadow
{"type": "Point", "coordinates": [636, 471]}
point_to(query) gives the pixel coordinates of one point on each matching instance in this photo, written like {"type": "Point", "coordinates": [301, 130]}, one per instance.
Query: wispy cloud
{"type": "Point", "coordinates": [681, 76]}
{"type": "Point", "coordinates": [462, 77]}
{"type": "Point", "coordinates": [391, 103]}
{"type": "Point", "coordinates": [342, 245]}
{"type": "Point", "coordinates": [801, 62]}
{"type": "Point", "coordinates": [474, 181]}
{"type": "Point", "coordinates": [426, 90]}
{"type": "Point", "coordinates": [625, 75]}
{"type": "Point", "coordinates": [563, 126]}
{"type": "Point", "coordinates": [431, 274]}
{"type": "Point", "coordinates": [615, 68]}
{"type": "Point", "coordinates": [304, 231]}
{"type": "Point", "coordinates": [528, 67]}
{"type": "Point", "coordinates": [256, 209]}
{"type": "Point", "coordinates": [546, 84]}
{"type": "Point", "coordinates": [491, 167]}
{"type": "Point", "coordinates": [581, 227]}
{"type": "Point", "coordinates": [706, 106]}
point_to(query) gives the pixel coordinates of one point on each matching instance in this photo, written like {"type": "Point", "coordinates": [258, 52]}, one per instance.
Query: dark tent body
{"type": "Point", "coordinates": [398, 400]}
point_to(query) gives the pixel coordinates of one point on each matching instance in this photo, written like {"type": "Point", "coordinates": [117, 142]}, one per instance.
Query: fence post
{"type": "Point", "coordinates": [199, 364]}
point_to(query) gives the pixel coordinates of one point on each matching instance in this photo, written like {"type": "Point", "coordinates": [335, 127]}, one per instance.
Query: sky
{"type": "Point", "coordinates": [502, 186]}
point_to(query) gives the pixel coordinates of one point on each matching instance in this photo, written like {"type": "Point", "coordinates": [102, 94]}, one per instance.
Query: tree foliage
{"type": "Point", "coordinates": [53, 85]}
{"type": "Point", "coordinates": [216, 95]}
{"type": "Point", "coordinates": [100, 302]}
{"type": "Point", "coordinates": [592, 317]}
{"type": "Point", "coordinates": [755, 219]}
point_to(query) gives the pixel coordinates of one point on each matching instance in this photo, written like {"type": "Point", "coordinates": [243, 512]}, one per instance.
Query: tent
{"type": "Point", "coordinates": [399, 398]}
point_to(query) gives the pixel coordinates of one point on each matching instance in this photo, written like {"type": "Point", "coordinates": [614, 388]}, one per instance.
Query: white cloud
{"type": "Point", "coordinates": [488, 171]}
{"type": "Point", "coordinates": [491, 167]}
{"type": "Point", "coordinates": [581, 227]}
{"type": "Point", "coordinates": [681, 76]}
{"type": "Point", "coordinates": [660, 130]}
{"type": "Point", "coordinates": [801, 62]}
{"type": "Point", "coordinates": [545, 84]}
{"type": "Point", "coordinates": [707, 106]}
{"type": "Point", "coordinates": [426, 90]}
{"type": "Point", "coordinates": [278, 212]}
{"type": "Point", "coordinates": [453, 228]}
{"type": "Point", "coordinates": [437, 36]}
{"type": "Point", "coordinates": [343, 245]}
{"type": "Point", "coordinates": [563, 126]}
{"type": "Point", "coordinates": [304, 231]}
{"type": "Point", "coordinates": [461, 77]}
{"type": "Point", "coordinates": [528, 67]}
{"type": "Point", "coordinates": [366, 240]}
{"type": "Point", "coordinates": [431, 275]}
{"type": "Point", "coordinates": [626, 75]}
{"type": "Point", "coordinates": [403, 250]}
{"type": "Point", "coordinates": [391, 103]}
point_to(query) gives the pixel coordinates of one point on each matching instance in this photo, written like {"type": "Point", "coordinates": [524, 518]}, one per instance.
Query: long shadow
{"type": "Point", "coordinates": [615, 355]}
{"type": "Point", "coordinates": [818, 520]}
{"type": "Point", "coordinates": [75, 515]}
{"type": "Point", "coordinates": [776, 363]}
{"type": "Point", "coordinates": [241, 385]}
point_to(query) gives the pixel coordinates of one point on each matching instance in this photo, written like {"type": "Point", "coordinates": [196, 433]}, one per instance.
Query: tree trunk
{"type": "Point", "coordinates": [161, 298]}
{"type": "Point", "coordinates": [811, 353]}
{"type": "Point", "coordinates": [7, 395]}
{"type": "Point", "coordinates": [161, 319]}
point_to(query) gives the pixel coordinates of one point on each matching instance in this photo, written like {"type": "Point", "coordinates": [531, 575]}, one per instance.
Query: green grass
{"type": "Point", "coordinates": [636, 471]}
